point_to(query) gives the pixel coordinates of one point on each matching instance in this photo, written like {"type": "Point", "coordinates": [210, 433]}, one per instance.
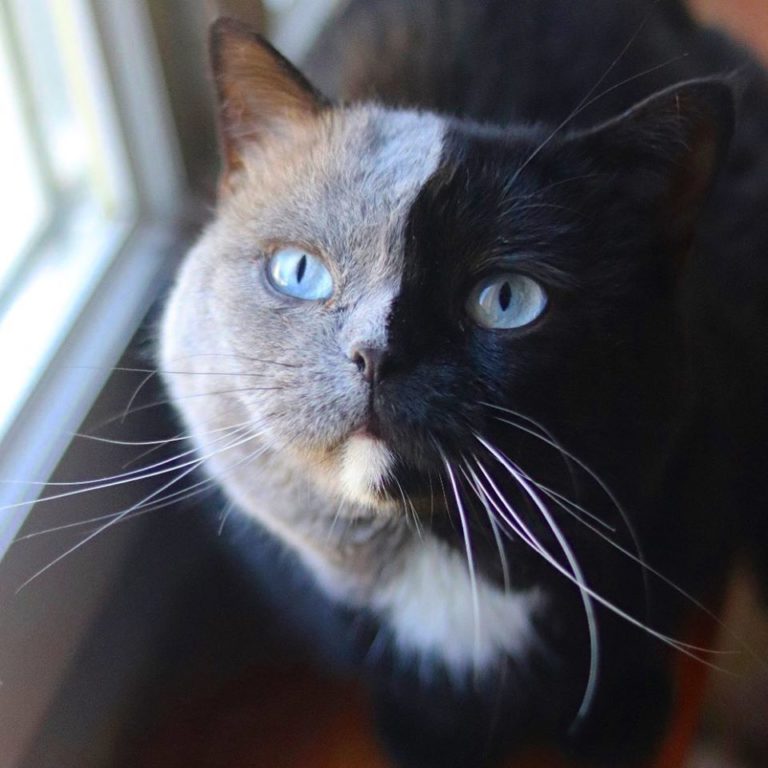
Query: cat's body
{"type": "Point", "coordinates": [361, 423]}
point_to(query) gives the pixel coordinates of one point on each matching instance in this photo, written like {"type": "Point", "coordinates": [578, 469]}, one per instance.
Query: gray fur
{"type": "Point", "coordinates": [345, 195]}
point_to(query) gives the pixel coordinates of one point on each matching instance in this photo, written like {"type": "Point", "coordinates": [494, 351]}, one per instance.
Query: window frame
{"type": "Point", "coordinates": [136, 259]}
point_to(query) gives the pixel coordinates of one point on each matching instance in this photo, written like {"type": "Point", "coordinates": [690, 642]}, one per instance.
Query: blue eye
{"type": "Point", "coordinates": [299, 274]}
{"type": "Point", "coordinates": [506, 301]}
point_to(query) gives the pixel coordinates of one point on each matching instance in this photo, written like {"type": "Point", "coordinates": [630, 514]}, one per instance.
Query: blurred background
{"type": "Point", "coordinates": [111, 635]}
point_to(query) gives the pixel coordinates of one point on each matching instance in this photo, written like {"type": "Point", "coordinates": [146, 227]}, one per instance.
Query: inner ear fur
{"type": "Point", "coordinates": [666, 151]}
{"type": "Point", "coordinates": [261, 95]}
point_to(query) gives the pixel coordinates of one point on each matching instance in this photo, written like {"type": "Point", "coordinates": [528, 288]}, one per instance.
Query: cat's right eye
{"type": "Point", "coordinates": [507, 301]}
{"type": "Point", "coordinates": [299, 274]}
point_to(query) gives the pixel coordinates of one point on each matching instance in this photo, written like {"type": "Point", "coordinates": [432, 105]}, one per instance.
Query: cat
{"type": "Point", "coordinates": [478, 332]}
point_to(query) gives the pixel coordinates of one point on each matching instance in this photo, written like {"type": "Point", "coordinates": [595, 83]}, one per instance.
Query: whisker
{"type": "Point", "coordinates": [169, 372]}
{"type": "Point", "coordinates": [259, 360]}
{"type": "Point", "coordinates": [152, 372]}
{"type": "Point", "coordinates": [225, 516]}
{"type": "Point", "coordinates": [578, 578]}
{"type": "Point", "coordinates": [136, 393]}
{"type": "Point", "coordinates": [637, 556]}
{"type": "Point", "coordinates": [468, 549]}
{"type": "Point", "coordinates": [745, 647]}
{"type": "Point", "coordinates": [588, 98]}
{"type": "Point", "coordinates": [101, 529]}
{"type": "Point", "coordinates": [571, 507]}
{"type": "Point", "coordinates": [549, 439]}
{"type": "Point", "coordinates": [122, 515]}
{"type": "Point", "coordinates": [173, 400]}
{"type": "Point", "coordinates": [116, 480]}
{"type": "Point", "coordinates": [685, 648]}
{"type": "Point", "coordinates": [473, 482]}
{"type": "Point", "coordinates": [408, 505]}
{"type": "Point", "coordinates": [173, 498]}
{"type": "Point", "coordinates": [159, 446]}
{"type": "Point", "coordinates": [109, 478]}
{"type": "Point", "coordinates": [179, 438]}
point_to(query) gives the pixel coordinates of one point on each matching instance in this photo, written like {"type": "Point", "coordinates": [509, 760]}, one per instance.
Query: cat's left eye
{"type": "Point", "coordinates": [297, 273]}
{"type": "Point", "coordinates": [506, 301]}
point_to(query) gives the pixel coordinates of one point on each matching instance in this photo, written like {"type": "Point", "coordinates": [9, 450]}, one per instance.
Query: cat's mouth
{"type": "Point", "coordinates": [373, 473]}
{"type": "Point", "coordinates": [379, 468]}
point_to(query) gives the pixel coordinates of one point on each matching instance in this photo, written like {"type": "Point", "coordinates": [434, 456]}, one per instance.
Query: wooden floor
{"type": "Point", "coordinates": [283, 718]}
{"type": "Point", "coordinates": [287, 716]}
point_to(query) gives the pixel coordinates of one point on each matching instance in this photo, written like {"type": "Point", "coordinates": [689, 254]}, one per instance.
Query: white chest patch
{"type": "Point", "coordinates": [431, 609]}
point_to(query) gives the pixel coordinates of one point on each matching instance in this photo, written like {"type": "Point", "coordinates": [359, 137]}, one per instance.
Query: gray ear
{"type": "Point", "coordinates": [666, 150]}
{"type": "Point", "coordinates": [261, 95]}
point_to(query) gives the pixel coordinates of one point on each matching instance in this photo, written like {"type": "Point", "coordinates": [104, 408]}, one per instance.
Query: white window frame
{"type": "Point", "coordinates": [133, 261]}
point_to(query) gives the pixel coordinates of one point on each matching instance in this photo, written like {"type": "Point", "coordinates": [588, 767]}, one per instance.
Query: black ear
{"type": "Point", "coordinates": [261, 95]}
{"type": "Point", "coordinates": [665, 151]}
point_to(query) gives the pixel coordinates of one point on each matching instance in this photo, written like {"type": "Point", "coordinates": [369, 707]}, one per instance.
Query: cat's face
{"type": "Point", "coordinates": [378, 284]}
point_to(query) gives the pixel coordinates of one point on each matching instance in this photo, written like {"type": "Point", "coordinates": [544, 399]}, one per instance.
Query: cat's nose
{"type": "Point", "coordinates": [368, 361]}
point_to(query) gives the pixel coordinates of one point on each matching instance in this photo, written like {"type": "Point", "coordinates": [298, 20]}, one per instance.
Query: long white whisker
{"type": "Point", "coordinates": [578, 574]}
{"type": "Point", "coordinates": [408, 505]}
{"type": "Point", "coordinates": [684, 648]}
{"type": "Point", "coordinates": [549, 439]}
{"type": "Point", "coordinates": [120, 516]}
{"type": "Point", "coordinates": [183, 494]}
{"type": "Point", "coordinates": [671, 584]}
{"type": "Point", "coordinates": [470, 556]}
{"type": "Point", "coordinates": [260, 360]}
{"type": "Point", "coordinates": [474, 482]}
{"type": "Point", "coordinates": [578, 578]}
{"type": "Point", "coordinates": [104, 527]}
{"type": "Point", "coordinates": [638, 556]}
{"type": "Point", "coordinates": [588, 98]}
{"type": "Point", "coordinates": [150, 374]}
{"type": "Point", "coordinates": [121, 479]}
{"type": "Point", "coordinates": [136, 392]}
{"type": "Point", "coordinates": [179, 438]}
{"type": "Point", "coordinates": [172, 498]}
{"type": "Point", "coordinates": [206, 483]}
{"type": "Point", "coordinates": [230, 431]}
{"type": "Point", "coordinates": [124, 478]}
{"type": "Point", "coordinates": [173, 400]}
{"type": "Point", "coordinates": [225, 516]}
{"type": "Point", "coordinates": [572, 508]}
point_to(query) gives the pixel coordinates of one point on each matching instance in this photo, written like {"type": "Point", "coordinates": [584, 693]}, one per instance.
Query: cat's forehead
{"type": "Point", "coordinates": [389, 152]}
{"type": "Point", "coordinates": [345, 180]}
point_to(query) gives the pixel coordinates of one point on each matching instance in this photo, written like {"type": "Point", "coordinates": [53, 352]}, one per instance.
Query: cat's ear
{"type": "Point", "coordinates": [666, 150]}
{"type": "Point", "coordinates": [261, 95]}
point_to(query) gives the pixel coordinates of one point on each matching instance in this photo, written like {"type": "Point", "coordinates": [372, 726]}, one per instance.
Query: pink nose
{"type": "Point", "coordinates": [368, 361]}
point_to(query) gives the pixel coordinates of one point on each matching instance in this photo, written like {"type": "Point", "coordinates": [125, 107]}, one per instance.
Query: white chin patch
{"type": "Point", "coordinates": [365, 466]}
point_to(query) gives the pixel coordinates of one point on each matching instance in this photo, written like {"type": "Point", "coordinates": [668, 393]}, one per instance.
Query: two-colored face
{"type": "Point", "coordinates": [379, 278]}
